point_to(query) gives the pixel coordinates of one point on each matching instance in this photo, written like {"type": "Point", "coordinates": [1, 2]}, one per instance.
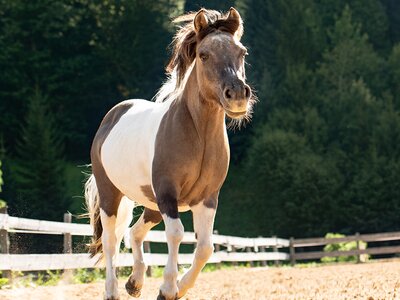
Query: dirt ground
{"type": "Point", "coordinates": [370, 281]}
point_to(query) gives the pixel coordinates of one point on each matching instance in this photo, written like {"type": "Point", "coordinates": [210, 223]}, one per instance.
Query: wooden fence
{"type": "Point", "coordinates": [256, 249]}
{"type": "Point", "coordinates": [314, 242]}
{"type": "Point", "coordinates": [227, 248]}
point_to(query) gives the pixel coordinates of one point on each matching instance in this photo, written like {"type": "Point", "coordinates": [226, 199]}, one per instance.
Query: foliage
{"type": "Point", "coordinates": [39, 172]}
{"type": "Point", "coordinates": [4, 282]}
{"type": "Point", "coordinates": [48, 278]}
{"type": "Point", "coordinates": [322, 153]}
{"type": "Point", "coordinates": [88, 275]}
{"type": "Point", "coordinates": [34, 279]}
{"type": "Point", "coordinates": [344, 246]}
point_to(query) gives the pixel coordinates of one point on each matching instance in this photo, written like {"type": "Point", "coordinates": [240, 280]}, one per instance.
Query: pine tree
{"type": "Point", "coordinates": [350, 57]}
{"type": "Point", "coordinates": [40, 169]}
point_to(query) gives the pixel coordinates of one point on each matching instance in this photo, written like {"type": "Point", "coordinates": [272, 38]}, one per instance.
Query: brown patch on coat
{"type": "Point", "coordinates": [148, 193]}
{"type": "Point", "coordinates": [108, 196]}
{"type": "Point", "coordinates": [211, 202]}
{"type": "Point", "coordinates": [153, 216]}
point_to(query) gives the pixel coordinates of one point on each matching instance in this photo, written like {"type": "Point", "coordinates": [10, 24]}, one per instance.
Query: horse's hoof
{"type": "Point", "coordinates": [162, 297]}
{"type": "Point", "coordinates": [133, 290]}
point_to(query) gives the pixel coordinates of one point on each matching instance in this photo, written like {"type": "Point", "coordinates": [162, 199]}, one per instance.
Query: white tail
{"type": "Point", "coordinates": [93, 207]}
{"type": "Point", "coordinates": [91, 195]}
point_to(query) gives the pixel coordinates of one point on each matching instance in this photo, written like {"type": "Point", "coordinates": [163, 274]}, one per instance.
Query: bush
{"type": "Point", "coordinates": [88, 275]}
{"type": "Point", "coordinates": [344, 246]}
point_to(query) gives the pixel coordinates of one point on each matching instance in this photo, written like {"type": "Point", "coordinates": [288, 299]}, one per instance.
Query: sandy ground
{"type": "Point", "coordinates": [370, 281]}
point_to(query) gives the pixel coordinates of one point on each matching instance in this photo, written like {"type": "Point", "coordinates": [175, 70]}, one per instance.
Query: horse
{"type": "Point", "coordinates": [170, 155]}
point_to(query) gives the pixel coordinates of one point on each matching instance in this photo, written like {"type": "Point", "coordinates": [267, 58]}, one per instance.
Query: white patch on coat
{"type": "Point", "coordinates": [128, 151]}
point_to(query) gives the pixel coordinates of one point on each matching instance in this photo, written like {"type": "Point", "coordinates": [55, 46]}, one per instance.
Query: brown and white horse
{"type": "Point", "coordinates": [171, 155]}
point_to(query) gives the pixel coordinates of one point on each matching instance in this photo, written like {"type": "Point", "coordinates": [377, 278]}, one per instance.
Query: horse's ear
{"type": "Point", "coordinates": [236, 20]}
{"type": "Point", "coordinates": [200, 20]}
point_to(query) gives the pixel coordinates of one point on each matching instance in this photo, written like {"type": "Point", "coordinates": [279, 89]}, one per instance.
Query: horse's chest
{"type": "Point", "coordinates": [209, 173]}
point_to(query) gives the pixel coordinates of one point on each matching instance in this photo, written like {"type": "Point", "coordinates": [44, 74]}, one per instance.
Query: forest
{"type": "Point", "coordinates": [321, 154]}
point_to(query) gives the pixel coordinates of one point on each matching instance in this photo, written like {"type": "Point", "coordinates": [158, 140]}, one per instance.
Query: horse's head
{"type": "Point", "coordinates": [220, 62]}
{"type": "Point", "coordinates": [212, 41]}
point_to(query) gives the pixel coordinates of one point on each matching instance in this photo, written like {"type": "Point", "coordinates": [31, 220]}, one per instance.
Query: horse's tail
{"type": "Point", "coordinates": [93, 207]}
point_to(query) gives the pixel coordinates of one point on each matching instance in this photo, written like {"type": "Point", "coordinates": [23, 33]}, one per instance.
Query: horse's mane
{"type": "Point", "coordinates": [184, 48]}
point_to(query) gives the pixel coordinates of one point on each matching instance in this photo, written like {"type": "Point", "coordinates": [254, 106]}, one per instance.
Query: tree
{"type": "Point", "coordinates": [291, 188]}
{"type": "Point", "coordinates": [347, 59]}
{"type": "Point", "coordinates": [40, 168]}
{"type": "Point", "coordinates": [82, 55]}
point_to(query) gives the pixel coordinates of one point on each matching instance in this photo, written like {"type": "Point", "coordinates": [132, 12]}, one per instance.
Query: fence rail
{"type": "Point", "coordinates": [254, 249]}
{"type": "Point", "coordinates": [314, 242]}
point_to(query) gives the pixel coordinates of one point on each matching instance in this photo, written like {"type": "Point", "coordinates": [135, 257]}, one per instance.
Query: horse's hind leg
{"type": "Point", "coordinates": [124, 218]}
{"type": "Point", "coordinates": [110, 199]}
{"type": "Point", "coordinates": [109, 241]}
{"type": "Point", "coordinates": [147, 220]}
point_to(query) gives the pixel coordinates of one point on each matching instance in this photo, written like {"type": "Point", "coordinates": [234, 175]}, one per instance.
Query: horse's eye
{"type": "Point", "coordinates": [203, 56]}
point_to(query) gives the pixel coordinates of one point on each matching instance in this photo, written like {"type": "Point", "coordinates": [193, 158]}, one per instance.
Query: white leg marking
{"type": "Point", "coordinates": [203, 221]}
{"type": "Point", "coordinates": [109, 240]}
{"type": "Point", "coordinates": [137, 234]}
{"type": "Point", "coordinates": [174, 232]}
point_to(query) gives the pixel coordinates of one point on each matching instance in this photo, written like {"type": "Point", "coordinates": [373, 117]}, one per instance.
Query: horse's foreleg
{"type": "Point", "coordinates": [109, 241]}
{"type": "Point", "coordinates": [203, 221]}
{"type": "Point", "coordinates": [174, 232]}
{"type": "Point", "coordinates": [147, 220]}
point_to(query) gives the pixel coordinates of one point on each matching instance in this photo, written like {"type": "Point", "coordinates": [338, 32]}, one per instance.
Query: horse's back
{"type": "Point", "coordinates": [128, 150]}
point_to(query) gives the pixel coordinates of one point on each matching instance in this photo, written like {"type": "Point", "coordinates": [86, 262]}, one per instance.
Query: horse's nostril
{"type": "Point", "coordinates": [228, 94]}
{"type": "Point", "coordinates": [247, 91]}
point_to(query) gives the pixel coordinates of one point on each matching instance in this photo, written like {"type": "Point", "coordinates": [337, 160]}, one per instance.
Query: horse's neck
{"type": "Point", "coordinates": [207, 115]}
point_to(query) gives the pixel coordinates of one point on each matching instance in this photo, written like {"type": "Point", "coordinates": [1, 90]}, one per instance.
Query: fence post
{"type": "Point", "coordinates": [358, 247]}
{"type": "Point", "coordinates": [67, 235]}
{"type": "Point", "coordinates": [275, 249]}
{"type": "Point", "coordinates": [147, 249]}
{"type": "Point", "coordinates": [67, 274]}
{"type": "Point", "coordinates": [248, 249]}
{"type": "Point", "coordinates": [262, 249]}
{"type": "Point", "coordinates": [217, 248]}
{"type": "Point", "coordinates": [5, 246]}
{"type": "Point", "coordinates": [233, 250]}
{"type": "Point", "coordinates": [292, 252]}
